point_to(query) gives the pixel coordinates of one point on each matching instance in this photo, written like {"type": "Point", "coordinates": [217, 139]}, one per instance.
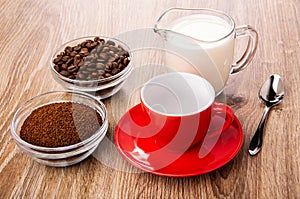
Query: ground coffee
{"type": "Point", "coordinates": [60, 124]}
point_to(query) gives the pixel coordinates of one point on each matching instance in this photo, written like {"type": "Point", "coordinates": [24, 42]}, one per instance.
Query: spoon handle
{"type": "Point", "coordinates": [257, 140]}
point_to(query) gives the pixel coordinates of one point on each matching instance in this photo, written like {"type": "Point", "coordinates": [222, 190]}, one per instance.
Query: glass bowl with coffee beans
{"type": "Point", "coordinates": [60, 128]}
{"type": "Point", "coordinates": [92, 64]}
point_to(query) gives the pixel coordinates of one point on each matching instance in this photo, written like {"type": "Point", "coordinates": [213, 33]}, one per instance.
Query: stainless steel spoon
{"type": "Point", "coordinates": [271, 93]}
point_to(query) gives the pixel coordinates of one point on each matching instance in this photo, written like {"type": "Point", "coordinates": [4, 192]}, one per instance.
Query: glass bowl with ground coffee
{"type": "Point", "coordinates": [60, 128]}
{"type": "Point", "coordinates": [94, 64]}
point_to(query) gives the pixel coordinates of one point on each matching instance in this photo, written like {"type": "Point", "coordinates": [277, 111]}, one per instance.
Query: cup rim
{"type": "Point", "coordinates": [232, 24]}
{"type": "Point", "coordinates": [207, 105]}
{"type": "Point", "coordinates": [104, 80]}
{"type": "Point", "coordinates": [18, 139]}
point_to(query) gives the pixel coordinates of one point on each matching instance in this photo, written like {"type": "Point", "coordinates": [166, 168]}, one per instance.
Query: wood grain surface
{"type": "Point", "coordinates": [30, 32]}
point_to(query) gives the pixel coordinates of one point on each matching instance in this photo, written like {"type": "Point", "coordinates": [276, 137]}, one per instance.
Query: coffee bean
{"type": "Point", "coordinates": [77, 48]}
{"type": "Point", "coordinates": [70, 61]}
{"type": "Point", "coordinates": [56, 67]}
{"type": "Point", "coordinates": [65, 58]}
{"type": "Point", "coordinates": [108, 66]}
{"type": "Point", "coordinates": [91, 60]}
{"type": "Point", "coordinates": [81, 76]}
{"type": "Point", "coordinates": [68, 49]}
{"type": "Point", "coordinates": [115, 65]}
{"type": "Point", "coordinates": [126, 53]}
{"type": "Point", "coordinates": [103, 56]}
{"type": "Point", "coordinates": [107, 75]}
{"type": "Point", "coordinates": [105, 49]}
{"type": "Point", "coordinates": [85, 72]}
{"type": "Point", "coordinates": [99, 49]}
{"type": "Point", "coordinates": [57, 59]}
{"type": "Point", "coordinates": [94, 74]}
{"type": "Point", "coordinates": [72, 69]}
{"type": "Point", "coordinates": [111, 59]}
{"type": "Point", "coordinates": [100, 66]}
{"type": "Point", "coordinates": [80, 63]}
{"type": "Point", "coordinates": [77, 57]}
{"type": "Point", "coordinates": [73, 53]}
{"type": "Point", "coordinates": [64, 66]}
{"type": "Point", "coordinates": [88, 45]}
{"type": "Point", "coordinates": [91, 69]}
{"type": "Point", "coordinates": [125, 61]}
{"type": "Point", "coordinates": [100, 60]}
{"type": "Point", "coordinates": [64, 73]}
{"type": "Point", "coordinates": [101, 72]}
{"type": "Point", "coordinates": [97, 39]}
{"type": "Point", "coordinates": [71, 77]}
{"type": "Point", "coordinates": [115, 71]}
{"type": "Point", "coordinates": [109, 42]}
{"type": "Point", "coordinates": [84, 52]}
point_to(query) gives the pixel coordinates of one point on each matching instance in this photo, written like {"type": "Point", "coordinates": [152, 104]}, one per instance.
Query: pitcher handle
{"type": "Point", "coordinates": [242, 31]}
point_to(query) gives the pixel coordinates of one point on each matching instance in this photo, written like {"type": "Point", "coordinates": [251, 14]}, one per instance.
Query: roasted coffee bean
{"type": "Point", "coordinates": [115, 71]}
{"type": "Point", "coordinates": [64, 66]}
{"type": "Point", "coordinates": [73, 53]}
{"type": "Point", "coordinates": [103, 56]}
{"type": "Point", "coordinates": [115, 65]}
{"type": "Point", "coordinates": [57, 59]}
{"type": "Point", "coordinates": [126, 53]}
{"type": "Point", "coordinates": [70, 61]}
{"type": "Point", "coordinates": [111, 59]}
{"type": "Point", "coordinates": [84, 52]}
{"type": "Point", "coordinates": [91, 60]}
{"type": "Point", "coordinates": [77, 57]}
{"type": "Point", "coordinates": [107, 75]}
{"type": "Point", "coordinates": [120, 66]}
{"type": "Point", "coordinates": [72, 69]}
{"type": "Point", "coordinates": [90, 69]}
{"type": "Point", "coordinates": [65, 58]}
{"type": "Point", "coordinates": [64, 73]}
{"type": "Point", "coordinates": [100, 60]}
{"type": "Point", "coordinates": [101, 72]}
{"type": "Point", "coordinates": [125, 61]}
{"type": "Point", "coordinates": [109, 42]}
{"type": "Point", "coordinates": [68, 49]}
{"type": "Point", "coordinates": [88, 45]}
{"type": "Point", "coordinates": [99, 49]}
{"type": "Point", "coordinates": [81, 76]}
{"type": "Point", "coordinates": [105, 49]}
{"type": "Point", "coordinates": [100, 66]}
{"type": "Point", "coordinates": [71, 77]}
{"type": "Point", "coordinates": [94, 74]}
{"type": "Point", "coordinates": [84, 72]}
{"type": "Point", "coordinates": [80, 63]}
{"type": "Point", "coordinates": [77, 48]}
{"type": "Point", "coordinates": [56, 67]}
{"type": "Point", "coordinates": [108, 66]}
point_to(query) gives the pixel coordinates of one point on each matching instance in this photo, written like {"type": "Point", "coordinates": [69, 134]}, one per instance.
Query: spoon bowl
{"type": "Point", "coordinates": [272, 91]}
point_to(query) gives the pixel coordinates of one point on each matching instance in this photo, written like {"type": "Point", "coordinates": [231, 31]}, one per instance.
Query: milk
{"type": "Point", "coordinates": [209, 54]}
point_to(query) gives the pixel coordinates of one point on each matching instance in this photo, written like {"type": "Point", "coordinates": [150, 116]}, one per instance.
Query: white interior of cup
{"type": "Point", "coordinates": [177, 94]}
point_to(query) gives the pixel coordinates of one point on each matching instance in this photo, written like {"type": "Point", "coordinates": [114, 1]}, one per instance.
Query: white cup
{"type": "Point", "coordinates": [207, 39]}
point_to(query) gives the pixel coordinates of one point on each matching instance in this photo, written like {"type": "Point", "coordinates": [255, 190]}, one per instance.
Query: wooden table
{"type": "Point", "coordinates": [31, 30]}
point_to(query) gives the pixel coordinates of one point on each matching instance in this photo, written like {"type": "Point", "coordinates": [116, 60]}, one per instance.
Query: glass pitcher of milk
{"type": "Point", "coordinates": [207, 37]}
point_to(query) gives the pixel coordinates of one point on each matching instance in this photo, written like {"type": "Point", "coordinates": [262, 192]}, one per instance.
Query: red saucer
{"type": "Point", "coordinates": [217, 149]}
